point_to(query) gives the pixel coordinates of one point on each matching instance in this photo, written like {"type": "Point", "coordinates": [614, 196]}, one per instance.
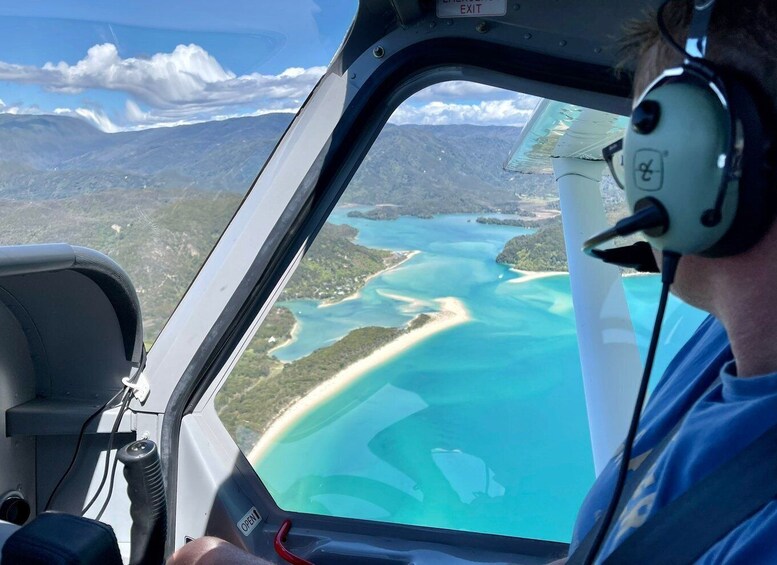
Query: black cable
{"type": "Point", "coordinates": [666, 35]}
{"type": "Point", "coordinates": [110, 489]}
{"type": "Point", "coordinates": [124, 404]}
{"type": "Point", "coordinates": [668, 270]}
{"type": "Point", "coordinates": [141, 366]}
{"type": "Point", "coordinates": [114, 429]}
{"type": "Point", "coordinates": [81, 433]}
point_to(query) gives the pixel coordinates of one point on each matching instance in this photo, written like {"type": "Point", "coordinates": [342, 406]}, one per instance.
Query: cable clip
{"type": "Point", "coordinates": [140, 389]}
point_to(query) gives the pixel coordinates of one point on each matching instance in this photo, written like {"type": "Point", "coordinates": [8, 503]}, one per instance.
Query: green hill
{"type": "Point", "coordinates": [543, 250]}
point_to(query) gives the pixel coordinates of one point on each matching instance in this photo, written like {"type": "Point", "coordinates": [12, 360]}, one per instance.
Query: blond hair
{"type": "Point", "coordinates": [742, 36]}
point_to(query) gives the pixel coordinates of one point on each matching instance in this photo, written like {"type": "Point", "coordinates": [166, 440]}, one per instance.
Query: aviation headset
{"type": "Point", "coordinates": [699, 178]}
{"type": "Point", "coordinates": [698, 155]}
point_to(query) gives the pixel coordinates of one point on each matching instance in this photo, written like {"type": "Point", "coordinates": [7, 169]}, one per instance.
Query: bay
{"type": "Point", "coordinates": [481, 427]}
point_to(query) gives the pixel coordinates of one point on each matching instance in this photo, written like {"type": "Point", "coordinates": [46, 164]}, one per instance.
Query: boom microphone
{"type": "Point", "coordinates": [650, 217]}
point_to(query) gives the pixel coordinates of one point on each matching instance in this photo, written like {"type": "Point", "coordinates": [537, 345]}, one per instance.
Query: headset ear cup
{"type": "Point", "coordinates": [757, 194]}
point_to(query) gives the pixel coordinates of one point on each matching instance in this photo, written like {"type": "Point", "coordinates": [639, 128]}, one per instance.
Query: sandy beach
{"type": "Point", "coordinates": [292, 338]}
{"type": "Point", "coordinates": [452, 313]}
{"type": "Point", "coordinates": [412, 304]}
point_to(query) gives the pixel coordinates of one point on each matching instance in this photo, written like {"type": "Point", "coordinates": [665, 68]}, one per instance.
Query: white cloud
{"type": "Point", "coordinates": [511, 112]}
{"type": "Point", "coordinates": [184, 82]}
{"type": "Point", "coordinates": [95, 117]}
{"type": "Point", "coordinates": [459, 89]}
{"type": "Point", "coordinates": [189, 85]}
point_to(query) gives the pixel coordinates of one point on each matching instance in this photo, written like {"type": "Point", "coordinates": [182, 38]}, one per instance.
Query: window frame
{"type": "Point", "coordinates": [393, 81]}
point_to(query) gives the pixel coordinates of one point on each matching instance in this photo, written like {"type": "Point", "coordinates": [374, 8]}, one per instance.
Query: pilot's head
{"type": "Point", "coordinates": [742, 36]}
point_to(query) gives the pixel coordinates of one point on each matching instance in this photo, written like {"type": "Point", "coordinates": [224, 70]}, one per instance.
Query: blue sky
{"type": "Point", "coordinates": [147, 63]}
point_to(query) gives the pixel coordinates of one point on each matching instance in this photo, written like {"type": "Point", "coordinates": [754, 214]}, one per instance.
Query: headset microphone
{"type": "Point", "coordinates": [650, 217]}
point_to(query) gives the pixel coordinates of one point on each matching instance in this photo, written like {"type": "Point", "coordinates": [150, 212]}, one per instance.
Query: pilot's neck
{"type": "Point", "coordinates": [746, 304]}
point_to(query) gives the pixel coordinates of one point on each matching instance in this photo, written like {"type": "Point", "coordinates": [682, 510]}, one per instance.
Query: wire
{"type": "Point", "coordinates": [668, 270]}
{"type": "Point", "coordinates": [124, 404]}
{"type": "Point", "coordinates": [665, 33]}
{"type": "Point", "coordinates": [110, 489]}
{"type": "Point", "coordinates": [81, 433]}
{"type": "Point", "coordinates": [129, 384]}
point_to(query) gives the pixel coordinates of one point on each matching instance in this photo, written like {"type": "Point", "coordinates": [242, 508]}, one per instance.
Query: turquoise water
{"type": "Point", "coordinates": [481, 427]}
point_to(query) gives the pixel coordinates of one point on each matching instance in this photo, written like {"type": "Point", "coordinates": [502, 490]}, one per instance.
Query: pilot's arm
{"type": "Point", "coordinates": [213, 551]}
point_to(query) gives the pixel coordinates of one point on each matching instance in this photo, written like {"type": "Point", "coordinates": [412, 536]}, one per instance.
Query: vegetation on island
{"type": "Point", "coordinates": [261, 388]}
{"type": "Point", "coordinates": [545, 250]}
{"type": "Point", "coordinates": [542, 250]}
{"type": "Point", "coordinates": [514, 222]}
{"type": "Point", "coordinates": [336, 267]}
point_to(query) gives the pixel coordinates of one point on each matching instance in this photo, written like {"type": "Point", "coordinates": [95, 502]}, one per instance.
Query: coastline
{"type": "Point", "coordinates": [452, 313]}
{"type": "Point", "coordinates": [408, 255]}
{"type": "Point", "coordinates": [326, 304]}
{"type": "Point", "coordinates": [293, 334]}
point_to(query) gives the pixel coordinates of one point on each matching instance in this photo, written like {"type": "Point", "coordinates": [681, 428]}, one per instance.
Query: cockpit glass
{"type": "Point", "coordinates": [137, 128]}
{"type": "Point", "coordinates": [421, 366]}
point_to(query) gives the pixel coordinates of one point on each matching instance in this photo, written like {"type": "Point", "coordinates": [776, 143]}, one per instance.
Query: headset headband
{"type": "Point", "coordinates": [696, 44]}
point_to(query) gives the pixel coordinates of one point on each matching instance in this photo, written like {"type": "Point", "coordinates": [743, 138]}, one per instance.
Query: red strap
{"type": "Point", "coordinates": [281, 550]}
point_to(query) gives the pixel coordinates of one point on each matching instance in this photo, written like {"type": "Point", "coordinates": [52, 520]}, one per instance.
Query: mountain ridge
{"type": "Point", "coordinates": [228, 154]}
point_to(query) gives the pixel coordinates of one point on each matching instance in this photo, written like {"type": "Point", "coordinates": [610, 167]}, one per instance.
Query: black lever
{"type": "Point", "coordinates": [148, 506]}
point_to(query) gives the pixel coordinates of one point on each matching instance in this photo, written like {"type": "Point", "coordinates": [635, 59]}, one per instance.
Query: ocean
{"type": "Point", "coordinates": [481, 427]}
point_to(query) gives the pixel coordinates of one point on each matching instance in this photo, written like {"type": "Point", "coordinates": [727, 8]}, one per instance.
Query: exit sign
{"type": "Point", "coordinates": [471, 8]}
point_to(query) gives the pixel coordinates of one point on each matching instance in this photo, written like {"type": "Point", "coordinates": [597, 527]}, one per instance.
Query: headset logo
{"type": "Point", "coordinates": [648, 169]}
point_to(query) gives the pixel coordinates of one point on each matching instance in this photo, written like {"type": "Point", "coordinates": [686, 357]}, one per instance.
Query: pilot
{"type": "Point", "coordinates": [719, 394]}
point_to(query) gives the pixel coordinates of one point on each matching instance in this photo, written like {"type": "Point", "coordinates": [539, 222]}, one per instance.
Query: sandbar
{"type": "Point", "coordinates": [412, 304]}
{"type": "Point", "coordinates": [534, 275]}
{"type": "Point", "coordinates": [452, 313]}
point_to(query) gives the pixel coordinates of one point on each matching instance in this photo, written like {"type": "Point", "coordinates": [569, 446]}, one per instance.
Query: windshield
{"type": "Point", "coordinates": [136, 129]}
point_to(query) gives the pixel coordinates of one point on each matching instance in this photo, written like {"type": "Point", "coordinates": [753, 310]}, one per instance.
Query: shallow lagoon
{"type": "Point", "coordinates": [481, 427]}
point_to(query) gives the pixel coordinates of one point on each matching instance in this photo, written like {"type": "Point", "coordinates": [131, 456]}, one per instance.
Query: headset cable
{"type": "Point", "coordinates": [669, 264]}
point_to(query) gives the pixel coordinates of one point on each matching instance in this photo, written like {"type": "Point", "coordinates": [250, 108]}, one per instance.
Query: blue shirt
{"type": "Point", "coordinates": [720, 422]}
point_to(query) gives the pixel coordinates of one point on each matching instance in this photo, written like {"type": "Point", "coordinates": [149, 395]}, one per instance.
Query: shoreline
{"type": "Point", "coordinates": [293, 335]}
{"type": "Point", "coordinates": [408, 255]}
{"type": "Point", "coordinates": [326, 304]}
{"type": "Point", "coordinates": [452, 313]}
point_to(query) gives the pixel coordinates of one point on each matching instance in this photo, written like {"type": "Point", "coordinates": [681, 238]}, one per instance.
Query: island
{"type": "Point", "coordinates": [543, 250]}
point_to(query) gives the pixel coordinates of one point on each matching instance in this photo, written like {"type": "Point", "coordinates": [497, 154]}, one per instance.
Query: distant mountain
{"type": "Point", "coordinates": [57, 156]}
{"type": "Point", "coordinates": [157, 200]}
{"type": "Point", "coordinates": [457, 167]}
{"type": "Point", "coordinates": [45, 141]}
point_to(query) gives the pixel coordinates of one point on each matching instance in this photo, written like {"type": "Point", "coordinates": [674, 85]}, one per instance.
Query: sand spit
{"type": "Point", "coordinates": [534, 275]}
{"type": "Point", "coordinates": [452, 313]}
